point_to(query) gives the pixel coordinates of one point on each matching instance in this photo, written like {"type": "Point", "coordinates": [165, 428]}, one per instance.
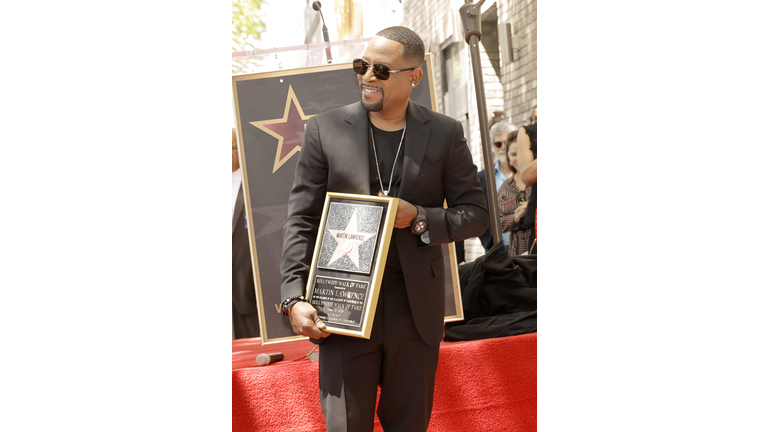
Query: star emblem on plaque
{"type": "Point", "coordinates": [352, 250]}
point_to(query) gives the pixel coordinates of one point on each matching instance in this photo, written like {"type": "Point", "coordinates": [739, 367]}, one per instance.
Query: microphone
{"type": "Point", "coordinates": [316, 6]}
{"type": "Point", "coordinates": [265, 359]}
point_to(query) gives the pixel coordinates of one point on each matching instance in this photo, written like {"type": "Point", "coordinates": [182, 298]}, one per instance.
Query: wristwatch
{"type": "Point", "coordinates": [419, 225]}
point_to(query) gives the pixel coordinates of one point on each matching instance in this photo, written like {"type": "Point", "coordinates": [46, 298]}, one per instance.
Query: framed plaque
{"type": "Point", "coordinates": [348, 261]}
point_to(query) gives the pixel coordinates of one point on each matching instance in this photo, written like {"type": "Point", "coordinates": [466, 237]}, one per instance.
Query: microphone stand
{"type": "Point", "coordinates": [327, 42]}
{"type": "Point", "coordinates": [470, 20]}
{"type": "Point", "coordinates": [316, 6]}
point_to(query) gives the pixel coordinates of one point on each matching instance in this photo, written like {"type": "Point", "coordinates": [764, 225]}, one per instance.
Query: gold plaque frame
{"type": "Point", "coordinates": [341, 300]}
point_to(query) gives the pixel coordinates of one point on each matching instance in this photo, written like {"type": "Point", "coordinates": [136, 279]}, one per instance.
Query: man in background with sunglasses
{"type": "Point", "coordinates": [501, 170]}
{"type": "Point", "coordinates": [384, 145]}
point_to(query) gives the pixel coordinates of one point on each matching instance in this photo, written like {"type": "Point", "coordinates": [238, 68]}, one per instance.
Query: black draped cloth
{"type": "Point", "coordinates": [499, 296]}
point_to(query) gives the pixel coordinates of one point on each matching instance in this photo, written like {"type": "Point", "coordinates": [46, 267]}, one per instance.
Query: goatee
{"type": "Point", "coordinates": [372, 106]}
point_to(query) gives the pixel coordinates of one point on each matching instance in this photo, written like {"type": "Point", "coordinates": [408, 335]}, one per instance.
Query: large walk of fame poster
{"type": "Point", "coordinates": [271, 112]}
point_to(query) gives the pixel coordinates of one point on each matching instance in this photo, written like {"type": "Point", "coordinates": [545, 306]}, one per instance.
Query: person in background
{"type": "Point", "coordinates": [245, 314]}
{"type": "Point", "coordinates": [527, 146]}
{"type": "Point", "coordinates": [498, 116]}
{"type": "Point", "coordinates": [499, 133]}
{"type": "Point", "coordinates": [513, 200]}
{"type": "Point", "coordinates": [527, 149]}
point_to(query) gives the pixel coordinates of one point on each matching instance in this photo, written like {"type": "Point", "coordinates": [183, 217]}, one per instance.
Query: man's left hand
{"type": "Point", "coordinates": [406, 212]}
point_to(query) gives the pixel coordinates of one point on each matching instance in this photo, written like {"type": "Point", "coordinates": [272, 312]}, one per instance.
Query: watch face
{"type": "Point", "coordinates": [420, 227]}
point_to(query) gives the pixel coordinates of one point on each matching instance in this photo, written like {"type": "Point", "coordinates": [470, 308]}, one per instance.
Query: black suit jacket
{"type": "Point", "coordinates": [437, 166]}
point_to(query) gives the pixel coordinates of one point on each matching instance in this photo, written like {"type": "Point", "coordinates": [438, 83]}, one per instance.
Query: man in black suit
{"type": "Point", "coordinates": [386, 144]}
{"type": "Point", "coordinates": [245, 314]}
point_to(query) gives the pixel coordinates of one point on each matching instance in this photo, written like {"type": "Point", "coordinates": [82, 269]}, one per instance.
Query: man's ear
{"type": "Point", "coordinates": [416, 75]}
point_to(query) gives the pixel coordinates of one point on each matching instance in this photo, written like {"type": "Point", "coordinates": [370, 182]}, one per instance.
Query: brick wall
{"type": "Point", "coordinates": [519, 76]}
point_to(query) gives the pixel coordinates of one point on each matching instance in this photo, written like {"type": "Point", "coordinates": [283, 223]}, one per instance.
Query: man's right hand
{"type": "Point", "coordinates": [306, 322]}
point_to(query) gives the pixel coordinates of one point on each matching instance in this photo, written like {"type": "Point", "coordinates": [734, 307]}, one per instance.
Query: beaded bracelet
{"type": "Point", "coordinates": [290, 302]}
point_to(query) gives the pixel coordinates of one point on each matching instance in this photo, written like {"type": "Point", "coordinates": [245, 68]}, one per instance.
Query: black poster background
{"type": "Point", "coordinates": [268, 165]}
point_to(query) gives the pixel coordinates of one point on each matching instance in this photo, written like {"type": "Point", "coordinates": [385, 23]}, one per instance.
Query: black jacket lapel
{"type": "Point", "coordinates": [356, 140]}
{"type": "Point", "coordinates": [416, 141]}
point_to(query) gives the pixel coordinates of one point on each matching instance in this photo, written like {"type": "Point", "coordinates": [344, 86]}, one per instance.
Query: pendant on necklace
{"type": "Point", "coordinates": [385, 193]}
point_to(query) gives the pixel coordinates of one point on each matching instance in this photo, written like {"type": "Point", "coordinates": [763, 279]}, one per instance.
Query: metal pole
{"type": "Point", "coordinates": [470, 19]}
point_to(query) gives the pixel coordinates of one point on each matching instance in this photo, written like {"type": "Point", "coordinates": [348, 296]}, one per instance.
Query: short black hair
{"type": "Point", "coordinates": [413, 46]}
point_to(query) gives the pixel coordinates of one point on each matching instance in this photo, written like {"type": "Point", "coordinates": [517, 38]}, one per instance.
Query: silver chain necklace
{"type": "Point", "coordinates": [375, 156]}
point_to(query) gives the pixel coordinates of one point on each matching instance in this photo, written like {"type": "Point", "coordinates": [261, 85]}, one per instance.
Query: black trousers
{"type": "Point", "coordinates": [394, 358]}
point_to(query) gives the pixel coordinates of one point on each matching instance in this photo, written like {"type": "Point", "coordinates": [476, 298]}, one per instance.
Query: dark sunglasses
{"type": "Point", "coordinates": [380, 71]}
{"type": "Point", "coordinates": [498, 144]}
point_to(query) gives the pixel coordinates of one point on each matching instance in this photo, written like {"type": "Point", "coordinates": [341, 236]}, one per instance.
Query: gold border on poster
{"type": "Point", "coordinates": [258, 286]}
{"type": "Point", "coordinates": [458, 304]}
{"type": "Point", "coordinates": [377, 272]}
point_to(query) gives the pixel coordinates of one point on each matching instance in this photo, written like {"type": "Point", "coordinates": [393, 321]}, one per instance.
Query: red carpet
{"type": "Point", "coordinates": [484, 385]}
